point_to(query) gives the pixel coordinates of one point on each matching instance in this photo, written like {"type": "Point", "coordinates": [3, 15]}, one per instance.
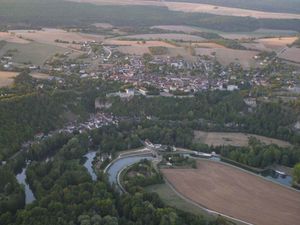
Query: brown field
{"type": "Point", "coordinates": [6, 78]}
{"type": "Point", "coordinates": [196, 7]}
{"type": "Point", "coordinates": [48, 36]}
{"type": "Point", "coordinates": [275, 43]}
{"type": "Point", "coordinates": [171, 36]}
{"type": "Point", "coordinates": [11, 37]}
{"type": "Point", "coordinates": [236, 193]}
{"type": "Point", "coordinates": [292, 54]}
{"type": "Point", "coordinates": [226, 56]}
{"type": "Point", "coordinates": [134, 50]}
{"type": "Point", "coordinates": [234, 139]}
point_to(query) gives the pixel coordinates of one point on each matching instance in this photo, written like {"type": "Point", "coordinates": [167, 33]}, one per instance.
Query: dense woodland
{"type": "Point", "coordinates": [217, 111]}
{"type": "Point", "coordinates": [14, 12]}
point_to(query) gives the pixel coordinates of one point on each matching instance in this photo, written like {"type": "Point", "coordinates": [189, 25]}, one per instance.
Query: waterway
{"type": "Point", "coordinates": [21, 177]}
{"type": "Point", "coordinates": [122, 163]}
{"type": "Point", "coordinates": [89, 164]}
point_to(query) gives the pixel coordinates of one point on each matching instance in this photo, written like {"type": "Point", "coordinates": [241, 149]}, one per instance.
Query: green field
{"type": "Point", "coordinates": [170, 198]}
{"type": "Point", "coordinates": [35, 53]}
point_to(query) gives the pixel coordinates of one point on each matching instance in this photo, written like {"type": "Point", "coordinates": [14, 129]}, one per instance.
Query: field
{"type": "Point", "coordinates": [35, 53]}
{"type": "Point", "coordinates": [226, 56]}
{"type": "Point", "coordinates": [11, 37]}
{"type": "Point", "coordinates": [41, 76]}
{"type": "Point", "coordinates": [234, 139]}
{"type": "Point", "coordinates": [198, 8]}
{"type": "Point", "coordinates": [170, 198]}
{"type": "Point", "coordinates": [170, 36]}
{"type": "Point", "coordinates": [6, 78]}
{"type": "Point", "coordinates": [236, 193]}
{"type": "Point", "coordinates": [291, 54]}
{"type": "Point", "coordinates": [48, 36]}
{"type": "Point", "coordinates": [277, 43]}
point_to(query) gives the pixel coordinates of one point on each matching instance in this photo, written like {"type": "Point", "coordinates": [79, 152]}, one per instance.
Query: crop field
{"type": "Point", "coordinates": [234, 139]}
{"type": "Point", "coordinates": [11, 37]}
{"type": "Point", "coordinates": [35, 53]}
{"type": "Point", "coordinates": [291, 54]}
{"type": "Point", "coordinates": [226, 56]}
{"type": "Point", "coordinates": [48, 36]}
{"type": "Point", "coordinates": [277, 43]}
{"type": "Point", "coordinates": [198, 8]}
{"type": "Point", "coordinates": [7, 78]}
{"type": "Point", "coordinates": [236, 193]}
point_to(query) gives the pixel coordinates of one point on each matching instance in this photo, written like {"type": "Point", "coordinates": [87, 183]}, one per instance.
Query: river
{"type": "Point", "coordinates": [116, 167]}
{"type": "Point", "coordinates": [89, 164]}
{"type": "Point", "coordinates": [21, 177]}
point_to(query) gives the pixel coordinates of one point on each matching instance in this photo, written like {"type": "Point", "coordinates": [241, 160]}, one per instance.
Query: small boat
{"type": "Point", "coordinates": [280, 173]}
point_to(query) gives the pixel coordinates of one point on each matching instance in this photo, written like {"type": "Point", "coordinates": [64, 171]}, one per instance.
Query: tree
{"type": "Point", "coordinates": [296, 173]}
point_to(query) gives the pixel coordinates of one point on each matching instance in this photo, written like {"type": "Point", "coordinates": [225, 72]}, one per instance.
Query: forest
{"type": "Point", "coordinates": [140, 16]}
{"type": "Point", "coordinates": [220, 111]}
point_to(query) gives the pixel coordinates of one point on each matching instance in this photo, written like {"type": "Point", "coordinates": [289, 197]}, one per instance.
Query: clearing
{"type": "Point", "coordinates": [236, 193]}
{"type": "Point", "coordinates": [7, 78]}
{"type": "Point", "coordinates": [234, 139]}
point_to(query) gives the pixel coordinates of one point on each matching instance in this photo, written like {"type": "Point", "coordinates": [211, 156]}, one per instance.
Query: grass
{"type": "Point", "coordinates": [34, 53]}
{"type": "Point", "coordinates": [170, 198]}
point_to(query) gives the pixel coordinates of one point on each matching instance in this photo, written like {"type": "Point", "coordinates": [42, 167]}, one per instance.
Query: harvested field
{"type": "Point", "coordinates": [11, 37]}
{"type": "Point", "coordinates": [134, 50]}
{"type": "Point", "coordinates": [276, 43]}
{"type": "Point", "coordinates": [198, 8]}
{"type": "Point", "coordinates": [171, 36]}
{"type": "Point", "coordinates": [291, 54]}
{"type": "Point", "coordinates": [7, 78]}
{"type": "Point", "coordinates": [48, 36]}
{"type": "Point", "coordinates": [234, 139]}
{"type": "Point", "coordinates": [226, 56]}
{"type": "Point", "coordinates": [236, 193]}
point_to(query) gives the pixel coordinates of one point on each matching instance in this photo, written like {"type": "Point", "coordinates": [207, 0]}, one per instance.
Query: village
{"type": "Point", "coordinates": [159, 74]}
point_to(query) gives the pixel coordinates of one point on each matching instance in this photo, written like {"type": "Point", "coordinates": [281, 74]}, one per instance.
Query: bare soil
{"type": "Point", "coordinates": [236, 193]}
{"type": "Point", "coordinates": [234, 139]}
{"type": "Point", "coordinates": [6, 78]}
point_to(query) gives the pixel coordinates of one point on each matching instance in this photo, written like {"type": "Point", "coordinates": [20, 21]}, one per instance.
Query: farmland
{"type": "Point", "coordinates": [198, 8]}
{"type": "Point", "coordinates": [170, 36]}
{"type": "Point", "coordinates": [234, 139]}
{"type": "Point", "coordinates": [49, 36]}
{"type": "Point", "coordinates": [251, 198]}
{"type": "Point", "coordinates": [226, 56]}
{"type": "Point", "coordinates": [6, 78]}
{"type": "Point", "coordinates": [33, 52]}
